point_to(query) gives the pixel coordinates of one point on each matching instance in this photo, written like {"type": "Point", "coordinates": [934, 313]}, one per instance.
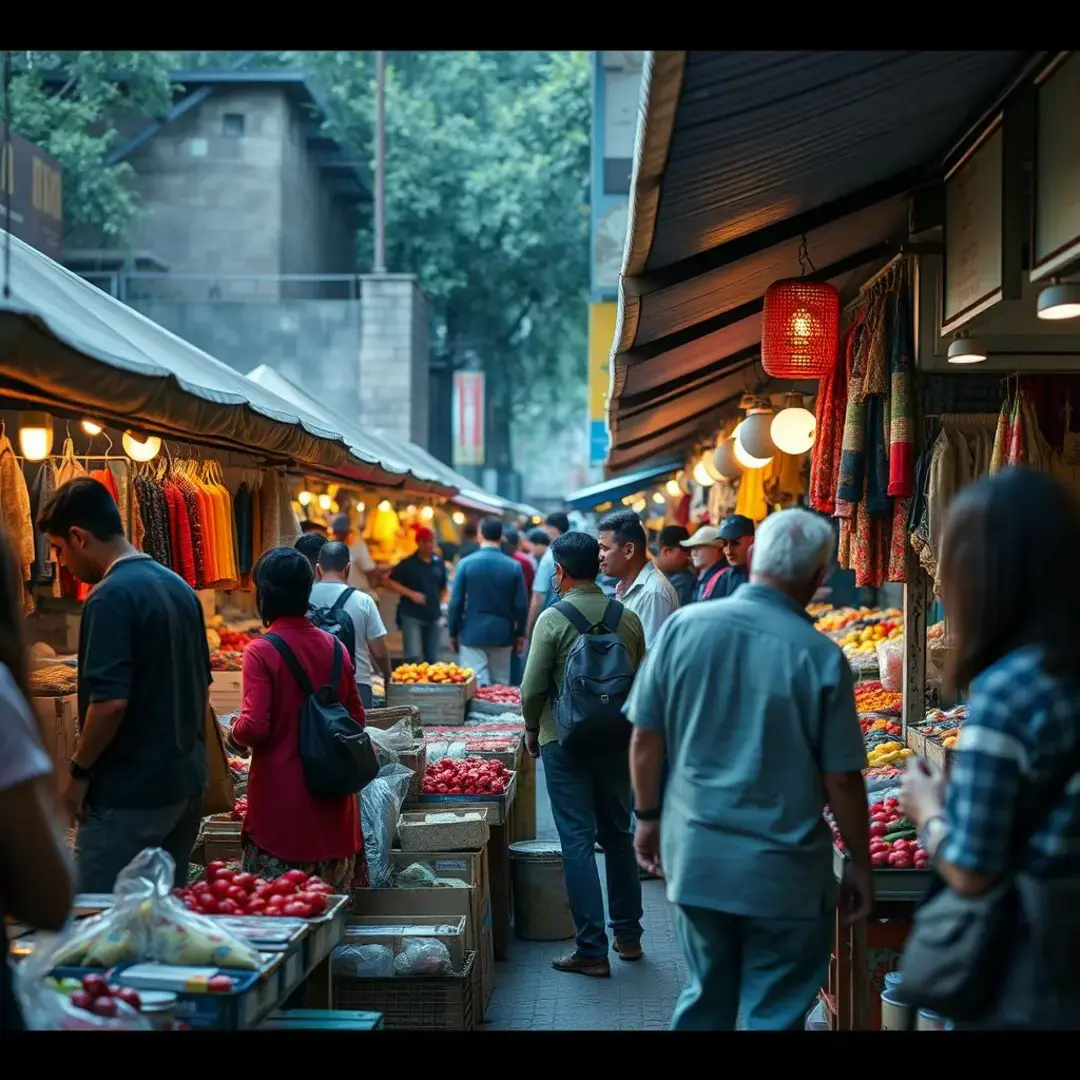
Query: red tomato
{"type": "Point", "coordinates": [297, 910]}
{"type": "Point", "coordinates": [237, 894]}
{"type": "Point", "coordinates": [208, 904]}
{"type": "Point", "coordinates": [219, 984]}
{"type": "Point", "coordinates": [220, 887]}
{"type": "Point", "coordinates": [225, 875]}
{"type": "Point", "coordinates": [316, 901]}
{"type": "Point", "coordinates": [878, 828]}
{"type": "Point", "coordinates": [259, 883]}
{"type": "Point", "coordinates": [200, 887]}
{"type": "Point", "coordinates": [245, 881]}
{"type": "Point", "coordinates": [297, 876]}
{"type": "Point", "coordinates": [95, 986]}
{"type": "Point", "coordinates": [256, 905]}
{"type": "Point", "coordinates": [879, 859]}
{"type": "Point", "coordinates": [128, 997]}
{"type": "Point", "coordinates": [214, 867]}
{"type": "Point", "coordinates": [228, 907]}
{"type": "Point", "coordinates": [282, 888]}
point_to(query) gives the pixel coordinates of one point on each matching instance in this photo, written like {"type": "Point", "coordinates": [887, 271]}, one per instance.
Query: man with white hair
{"type": "Point", "coordinates": [756, 712]}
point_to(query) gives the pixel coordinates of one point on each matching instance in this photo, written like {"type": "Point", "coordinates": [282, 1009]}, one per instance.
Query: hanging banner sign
{"type": "Point", "coordinates": [601, 338]}
{"type": "Point", "coordinates": [469, 418]}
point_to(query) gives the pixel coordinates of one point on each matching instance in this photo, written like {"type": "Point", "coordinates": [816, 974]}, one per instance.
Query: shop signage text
{"type": "Point", "coordinates": [32, 192]}
{"type": "Point", "coordinates": [601, 339]}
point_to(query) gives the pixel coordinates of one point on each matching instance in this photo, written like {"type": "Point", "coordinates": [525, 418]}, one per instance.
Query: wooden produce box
{"type": "Point", "coordinates": [525, 803]}
{"type": "Point", "coordinates": [226, 692]}
{"type": "Point", "coordinates": [440, 704]}
{"type": "Point", "coordinates": [393, 930]}
{"type": "Point", "coordinates": [415, 1002]}
{"type": "Point", "coordinates": [916, 741]}
{"type": "Point", "coordinates": [220, 839]}
{"type": "Point", "coordinates": [58, 717]}
{"type": "Point", "coordinates": [415, 758]}
{"type": "Point", "coordinates": [444, 829]}
{"type": "Point", "coordinates": [935, 751]}
{"type": "Point", "coordinates": [386, 718]}
{"type": "Point", "coordinates": [58, 629]}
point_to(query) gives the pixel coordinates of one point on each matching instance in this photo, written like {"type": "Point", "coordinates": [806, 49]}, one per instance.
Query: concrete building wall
{"type": "Point", "coordinates": [394, 359]}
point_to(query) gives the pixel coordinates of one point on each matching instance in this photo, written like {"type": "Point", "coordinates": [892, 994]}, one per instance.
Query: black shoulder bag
{"type": "Point", "coordinates": [962, 950]}
{"type": "Point", "coordinates": [335, 752]}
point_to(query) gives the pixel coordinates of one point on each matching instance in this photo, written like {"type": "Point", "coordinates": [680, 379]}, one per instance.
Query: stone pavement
{"type": "Point", "coordinates": [531, 995]}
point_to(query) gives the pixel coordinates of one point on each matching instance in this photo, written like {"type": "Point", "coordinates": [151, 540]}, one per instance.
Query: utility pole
{"type": "Point", "coordinates": [380, 162]}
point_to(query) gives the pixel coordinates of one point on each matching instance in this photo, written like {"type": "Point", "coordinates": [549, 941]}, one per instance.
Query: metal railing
{"type": "Point", "coordinates": [138, 286]}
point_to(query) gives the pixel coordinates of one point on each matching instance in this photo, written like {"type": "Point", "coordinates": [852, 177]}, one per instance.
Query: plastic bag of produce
{"type": "Point", "coordinates": [50, 1004]}
{"type": "Point", "coordinates": [417, 875]}
{"type": "Point", "coordinates": [422, 956]}
{"type": "Point", "coordinates": [380, 806]}
{"type": "Point", "coordinates": [362, 962]}
{"type": "Point", "coordinates": [148, 923]}
{"type": "Point", "coordinates": [890, 655]}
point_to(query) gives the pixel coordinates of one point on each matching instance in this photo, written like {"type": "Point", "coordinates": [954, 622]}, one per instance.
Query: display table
{"type": "Point", "coordinates": [863, 953]}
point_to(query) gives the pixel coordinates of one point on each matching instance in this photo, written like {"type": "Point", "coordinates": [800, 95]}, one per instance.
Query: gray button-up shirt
{"type": "Point", "coordinates": [652, 598]}
{"type": "Point", "coordinates": [755, 705]}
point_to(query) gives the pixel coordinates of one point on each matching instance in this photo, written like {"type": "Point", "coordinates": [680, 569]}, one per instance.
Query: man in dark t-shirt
{"type": "Point", "coordinates": [421, 582]}
{"type": "Point", "coordinates": [139, 770]}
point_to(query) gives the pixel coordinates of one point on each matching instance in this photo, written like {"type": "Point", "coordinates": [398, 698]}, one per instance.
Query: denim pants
{"type": "Point", "coordinates": [766, 971]}
{"type": "Point", "coordinates": [109, 838]}
{"type": "Point", "coordinates": [420, 640]}
{"type": "Point", "coordinates": [590, 802]}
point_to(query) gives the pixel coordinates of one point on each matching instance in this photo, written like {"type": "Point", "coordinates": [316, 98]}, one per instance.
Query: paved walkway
{"type": "Point", "coordinates": [531, 995]}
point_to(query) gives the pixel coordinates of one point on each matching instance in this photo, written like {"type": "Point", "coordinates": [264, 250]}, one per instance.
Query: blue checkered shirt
{"type": "Point", "coordinates": [1022, 725]}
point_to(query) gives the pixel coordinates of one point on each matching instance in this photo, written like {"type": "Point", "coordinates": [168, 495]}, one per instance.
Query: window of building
{"type": "Point", "coordinates": [232, 125]}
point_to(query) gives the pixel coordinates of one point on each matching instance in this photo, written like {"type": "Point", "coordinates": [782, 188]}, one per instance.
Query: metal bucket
{"type": "Point", "coordinates": [930, 1021]}
{"type": "Point", "coordinates": [895, 1016]}
{"type": "Point", "coordinates": [541, 905]}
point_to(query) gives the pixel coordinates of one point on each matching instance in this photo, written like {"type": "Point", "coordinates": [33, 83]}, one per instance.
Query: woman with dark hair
{"type": "Point", "coordinates": [1010, 810]}
{"type": "Point", "coordinates": [288, 828]}
{"type": "Point", "coordinates": [37, 878]}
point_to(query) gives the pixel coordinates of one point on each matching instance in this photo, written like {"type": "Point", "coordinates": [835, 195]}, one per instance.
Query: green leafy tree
{"type": "Point", "coordinates": [73, 105]}
{"type": "Point", "coordinates": [487, 159]}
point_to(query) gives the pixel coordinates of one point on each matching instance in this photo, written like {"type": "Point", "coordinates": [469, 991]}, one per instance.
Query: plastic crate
{"type": "Point", "coordinates": [414, 1003]}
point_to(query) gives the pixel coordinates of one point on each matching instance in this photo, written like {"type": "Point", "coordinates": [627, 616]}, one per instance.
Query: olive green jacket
{"type": "Point", "coordinates": [553, 636]}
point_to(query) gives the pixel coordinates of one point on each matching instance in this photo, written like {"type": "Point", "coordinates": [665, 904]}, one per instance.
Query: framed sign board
{"type": "Point", "coordinates": [1055, 226]}
{"type": "Point", "coordinates": [974, 271]}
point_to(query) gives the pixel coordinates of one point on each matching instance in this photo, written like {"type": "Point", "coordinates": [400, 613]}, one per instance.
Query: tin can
{"type": "Point", "coordinates": [895, 1015]}
{"type": "Point", "coordinates": [930, 1021]}
{"type": "Point", "coordinates": [159, 1007]}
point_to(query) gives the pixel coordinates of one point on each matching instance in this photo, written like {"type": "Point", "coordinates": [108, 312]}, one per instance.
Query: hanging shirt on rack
{"type": "Point", "coordinates": [15, 511]}
{"type": "Point", "coordinates": [44, 570]}
{"type": "Point", "coordinates": [243, 515]}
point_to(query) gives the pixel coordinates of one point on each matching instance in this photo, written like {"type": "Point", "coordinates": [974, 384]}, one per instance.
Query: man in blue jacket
{"type": "Point", "coordinates": [488, 608]}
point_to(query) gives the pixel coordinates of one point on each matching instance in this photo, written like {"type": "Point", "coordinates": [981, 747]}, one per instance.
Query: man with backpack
{"type": "Point", "coordinates": [349, 615]}
{"type": "Point", "coordinates": [584, 654]}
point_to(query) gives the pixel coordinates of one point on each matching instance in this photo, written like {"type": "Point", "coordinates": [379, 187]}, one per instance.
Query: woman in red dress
{"type": "Point", "coordinates": [286, 826]}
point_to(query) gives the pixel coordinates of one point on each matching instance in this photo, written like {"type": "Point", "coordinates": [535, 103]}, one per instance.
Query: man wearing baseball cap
{"type": "Point", "coordinates": [736, 538]}
{"type": "Point", "coordinates": [420, 581]}
{"type": "Point", "coordinates": [707, 558]}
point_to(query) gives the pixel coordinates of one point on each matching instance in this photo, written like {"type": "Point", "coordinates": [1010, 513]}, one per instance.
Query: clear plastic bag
{"type": "Point", "coordinates": [362, 962]}
{"type": "Point", "coordinates": [423, 956]}
{"type": "Point", "coordinates": [380, 806]}
{"type": "Point", "coordinates": [451, 748]}
{"type": "Point", "coordinates": [890, 655]}
{"type": "Point", "coordinates": [148, 923]}
{"type": "Point", "coordinates": [417, 875]}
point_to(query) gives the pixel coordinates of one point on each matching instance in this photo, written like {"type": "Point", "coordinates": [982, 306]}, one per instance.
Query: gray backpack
{"type": "Point", "coordinates": [596, 682]}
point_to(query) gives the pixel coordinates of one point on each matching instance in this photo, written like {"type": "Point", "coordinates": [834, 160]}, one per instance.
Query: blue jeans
{"type": "Point", "coordinates": [420, 640]}
{"type": "Point", "coordinates": [590, 802]}
{"type": "Point", "coordinates": [768, 971]}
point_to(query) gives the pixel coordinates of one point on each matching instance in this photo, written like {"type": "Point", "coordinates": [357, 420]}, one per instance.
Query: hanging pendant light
{"type": "Point", "coordinates": [91, 428]}
{"type": "Point", "coordinates": [141, 447]}
{"type": "Point", "coordinates": [793, 428]}
{"type": "Point", "coordinates": [673, 489]}
{"type": "Point", "coordinates": [742, 455]}
{"type": "Point", "coordinates": [964, 350]}
{"type": "Point", "coordinates": [800, 326]}
{"type": "Point", "coordinates": [1059, 300]}
{"type": "Point", "coordinates": [753, 432]}
{"type": "Point", "coordinates": [702, 476]}
{"type": "Point", "coordinates": [725, 460]}
{"type": "Point", "coordinates": [35, 435]}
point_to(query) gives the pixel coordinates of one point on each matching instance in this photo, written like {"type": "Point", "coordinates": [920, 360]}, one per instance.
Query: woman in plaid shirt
{"type": "Point", "coordinates": [1011, 591]}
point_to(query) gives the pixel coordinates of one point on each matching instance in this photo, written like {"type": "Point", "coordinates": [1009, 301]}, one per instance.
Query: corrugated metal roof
{"type": "Point", "coordinates": [739, 154]}
{"type": "Point", "coordinates": [597, 494]}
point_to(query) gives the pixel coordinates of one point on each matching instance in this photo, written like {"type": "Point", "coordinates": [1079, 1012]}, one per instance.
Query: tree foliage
{"type": "Point", "coordinates": [72, 105]}
{"type": "Point", "coordinates": [487, 177]}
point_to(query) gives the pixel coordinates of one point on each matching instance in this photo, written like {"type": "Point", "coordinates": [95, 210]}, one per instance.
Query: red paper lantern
{"type": "Point", "coordinates": [800, 329]}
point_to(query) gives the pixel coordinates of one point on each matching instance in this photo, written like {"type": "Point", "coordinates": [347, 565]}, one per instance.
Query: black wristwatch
{"type": "Point", "coordinates": [648, 815]}
{"type": "Point", "coordinates": [77, 771]}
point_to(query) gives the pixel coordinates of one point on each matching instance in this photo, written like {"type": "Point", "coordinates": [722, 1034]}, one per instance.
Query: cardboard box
{"type": "Point", "coordinates": [59, 629]}
{"type": "Point", "coordinates": [444, 829]}
{"type": "Point", "coordinates": [442, 705]}
{"type": "Point", "coordinates": [472, 868]}
{"type": "Point", "coordinates": [393, 930]}
{"type": "Point", "coordinates": [58, 717]}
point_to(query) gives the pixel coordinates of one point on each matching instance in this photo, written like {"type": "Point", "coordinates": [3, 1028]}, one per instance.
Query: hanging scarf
{"type": "Point", "coordinates": [901, 400]}
{"type": "Point", "coordinates": [829, 425]}
{"type": "Point", "coordinates": [849, 480]}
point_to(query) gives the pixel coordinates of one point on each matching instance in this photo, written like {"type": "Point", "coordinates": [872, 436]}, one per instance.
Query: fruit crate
{"type": "Point", "coordinates": [415, 758]}
{"type": "Point", "coordinates": [498, 806]}
{"type": "Point", "coordinates": [414, 1003]}
{"type": "Point", "coordinates": [440, 704]}
{"type": "Point", "coordinates": [384, 718]}
{"type": "Point", "coordinates": [464, 830]}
